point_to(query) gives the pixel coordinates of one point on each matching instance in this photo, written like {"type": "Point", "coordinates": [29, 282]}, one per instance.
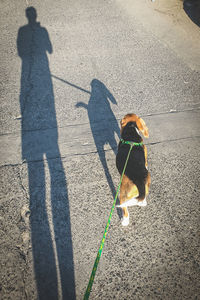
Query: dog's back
{"type": "Point", "coordinates": [136, 180]}
{"type": "Point", "coordinates": [135, 169]}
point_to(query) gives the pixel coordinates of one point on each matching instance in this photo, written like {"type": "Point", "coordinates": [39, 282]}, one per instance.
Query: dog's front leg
{"type": "Point", "coordinates": [125, 219]}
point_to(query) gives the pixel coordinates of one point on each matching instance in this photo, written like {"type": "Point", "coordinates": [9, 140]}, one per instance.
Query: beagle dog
{"type": "Point", "coordinates": [136, 180]}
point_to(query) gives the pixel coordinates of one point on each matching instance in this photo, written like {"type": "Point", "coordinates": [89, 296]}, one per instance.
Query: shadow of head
{"type": "Point", "coordinates": [31, 14]}
{"type": "Point", "coordinates": [97, 84]}
{"type": "Point", "coordinates": [99, 89]}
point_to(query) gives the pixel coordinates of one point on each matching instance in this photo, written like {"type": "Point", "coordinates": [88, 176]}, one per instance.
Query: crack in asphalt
{"type": "Point", "coordinates": [172, 140]}
{"type": "Point", "coordinates": [21, 181]}
{"type": "Point", "coordinates": [23, 252]}
{"type": "Point", "coordinates": [95, 152]}
{"type": "Point", "coordinates": [98, 122]}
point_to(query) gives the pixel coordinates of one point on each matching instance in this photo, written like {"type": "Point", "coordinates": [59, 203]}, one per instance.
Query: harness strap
{"type": "Point", "coordinates": [131, 143]}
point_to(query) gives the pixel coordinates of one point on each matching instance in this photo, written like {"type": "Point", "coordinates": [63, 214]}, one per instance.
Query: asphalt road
{"type": "Point", "coordinates": [70, 70]}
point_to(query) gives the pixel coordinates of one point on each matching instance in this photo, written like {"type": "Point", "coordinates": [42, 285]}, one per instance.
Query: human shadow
{"type": "Point", "coordinates": [192, 9]}
{"type": "Point", "coordinates": [103, 123]}
{"type": "Point", "coordinates": [50, 222]}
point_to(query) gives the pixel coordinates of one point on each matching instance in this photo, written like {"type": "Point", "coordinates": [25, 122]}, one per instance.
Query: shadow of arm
{"type": "Point", "coordinates": [111, 97]}
{"type": "Point", "coordinates": [81, 104]}
{"type": "Point", "coordinates": [20, 43]}
{"type": "Point", "coordinates": [49, 47]}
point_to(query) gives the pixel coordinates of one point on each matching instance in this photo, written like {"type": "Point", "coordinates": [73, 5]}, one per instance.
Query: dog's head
{"type": "Point", "coordinates": [141, 126]}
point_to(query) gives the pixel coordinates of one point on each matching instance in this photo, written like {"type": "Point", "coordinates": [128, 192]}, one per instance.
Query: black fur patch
{"type": "Point", "coordinates": [135, 170]}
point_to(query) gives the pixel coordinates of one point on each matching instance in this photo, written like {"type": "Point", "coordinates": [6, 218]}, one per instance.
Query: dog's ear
{"type": "Point", "coordinates": [142, 127]}
{"type": "Point", "coordinates": [123, 123]}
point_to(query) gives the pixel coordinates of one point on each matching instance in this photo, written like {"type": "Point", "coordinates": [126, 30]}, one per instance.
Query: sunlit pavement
{"type": "Point", "coordinates": [70, 70]}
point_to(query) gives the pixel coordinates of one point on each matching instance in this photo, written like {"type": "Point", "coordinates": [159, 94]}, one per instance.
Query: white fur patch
{"type": "Point", "coordinates": [137, 130]}
{"type": "Point", "coordinates": [133, 202]}
{"type": "Point", "coordinates": [142, 203]}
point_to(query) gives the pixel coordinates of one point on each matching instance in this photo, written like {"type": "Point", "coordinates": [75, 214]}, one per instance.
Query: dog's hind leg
{"type": "Point", "coordinates": [128, 193]}
{"type": "Point", "coordinates": [147, 184]}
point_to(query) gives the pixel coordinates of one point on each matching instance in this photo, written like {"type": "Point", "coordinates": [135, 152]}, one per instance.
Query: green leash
{"type": "Point", "coordinates": [89, 287]}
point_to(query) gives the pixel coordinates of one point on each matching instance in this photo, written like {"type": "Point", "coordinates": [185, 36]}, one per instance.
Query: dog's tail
{"type": "Point", "coordinates": [141, 189]}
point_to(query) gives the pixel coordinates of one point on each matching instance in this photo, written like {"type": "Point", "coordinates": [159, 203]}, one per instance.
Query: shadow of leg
{"type": "Point", "coordinates": [42, 247]}
{"type": "Point", "coordinates": [62, 227]}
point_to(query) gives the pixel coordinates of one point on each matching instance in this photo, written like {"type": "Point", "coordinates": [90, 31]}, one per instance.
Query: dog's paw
{"type": "Point", "coordinates": [142, 203]}
{"type": "Point", "coordinates": [125, 221]}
